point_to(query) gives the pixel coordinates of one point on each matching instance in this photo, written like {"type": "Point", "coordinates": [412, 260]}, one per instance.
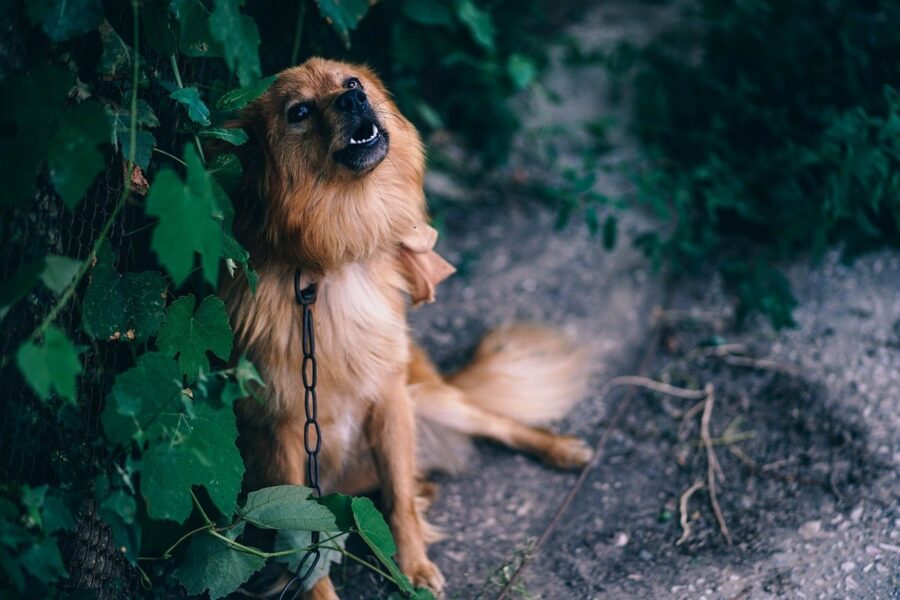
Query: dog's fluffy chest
{"type": "Point", "coordinates": [361, 335]}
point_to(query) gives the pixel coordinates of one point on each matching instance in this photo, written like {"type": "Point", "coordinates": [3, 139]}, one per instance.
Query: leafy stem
{"type": "Point", "coordinates": [69, 292]}
{"type": "Point", "coordinates": [174, 62]}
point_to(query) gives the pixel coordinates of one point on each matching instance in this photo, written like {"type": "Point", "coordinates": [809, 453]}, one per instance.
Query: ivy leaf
{"type": "Point", "coordinates": [227, 171]}
{"type": "Point", "coordinates": [72, 157]}
{"type": "Point", "coordinates": [428, 12]}
{"type": "Point", "coordinates": [478, 22]}
{"type": "Point", "coordinates": [65, 19]}
{"type": "Point", "coordinates": [43, 560]}
{"type": "Point", "coordinates": [239, 37]}
{"type": "Point", "coordinates": [232, 136]}
{"type": "Point", "coordinates": [18, 285]}
{"type": "Point", "coordinates": [144, 140]}
{"type": "Point", "coordinates": [186, 220]}
{"type": "Point", "coordinates": [157, 26]}
{"type": "Point", "coordinates": [610, 231]}
{"type": "Point", "coordinates": [59, 272]}
{"type": "Point", "coordinates": [126, 306]}
{"type": "Point", "coordinates": [247, 381]}
{"type": "Point", "coordinates": [343, 15]}
{"type": "Point", "coordinates": [191, 335]}
{"type": "Point", "coordinates": [287, 507]}
{"type": "Point", "coordinates": [295, 539]}
{"type": "Point", "coordinates": [241, 97]}
{"type": "Point", "coordinates": [194, 38]}
{"type": "Point", "coordinates": [377, 535]}
{"type": "Point", "coordinates": [189, 97]}
{"type": "Point", "coordinates": [116, 58]}
{"type": "Point", "coordinates": [146, 401]}
{"type": "Point", "coordinates": [55, 514]}
{"type": "Point", "coordinates": [203, 453]}
{"type": "Point", "coordinates": [45, 129]}
{"type": "Point", "coordinates": [212, 565]}
{"type": "Point", "coordinates": [522, 70]}
{"type": "Point", "coordinates": [54, 365]}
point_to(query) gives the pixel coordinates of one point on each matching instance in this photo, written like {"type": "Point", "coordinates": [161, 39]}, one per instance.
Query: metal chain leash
{"type": "Point", "coordinates": [306, 297]}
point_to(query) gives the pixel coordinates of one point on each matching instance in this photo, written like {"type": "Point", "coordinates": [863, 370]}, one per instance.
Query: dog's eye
{"type": "Point", "coordinates": [353, 83]}
{"type": "Point", "coordinates": [297, 113]}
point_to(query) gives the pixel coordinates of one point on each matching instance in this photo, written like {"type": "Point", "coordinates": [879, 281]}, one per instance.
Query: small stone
{"type": "Point", "coordinates": [848, 567]}
{"type": "Point", "coordinates": [811, 530]}
{"type": "Point", "coordinates": [645, 555]}
{"type": "Point", "coordinates": [851, 583]}
{"type": "Point", "coordinates": [621, 539]}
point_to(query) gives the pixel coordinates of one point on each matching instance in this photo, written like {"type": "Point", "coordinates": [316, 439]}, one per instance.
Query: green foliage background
{"type": "Point", "coordinates": [120, 471]}
{"type": "Point", "coordinates": [769, 130]}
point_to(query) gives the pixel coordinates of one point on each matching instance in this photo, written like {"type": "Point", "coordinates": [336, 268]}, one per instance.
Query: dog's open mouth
{"type": "Point", "coordinates": [366, 133]}
{"type": "Point", "coordinates": [367, 145]}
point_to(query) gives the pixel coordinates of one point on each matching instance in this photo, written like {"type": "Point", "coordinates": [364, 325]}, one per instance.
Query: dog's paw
{"type": "Point", "coordinates": [426, 574]}
{"type": "Point", "coordinates": [569, 452]}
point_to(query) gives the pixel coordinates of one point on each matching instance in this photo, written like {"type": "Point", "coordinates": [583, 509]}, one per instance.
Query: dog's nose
{"type": "Point", "coordinates": [353, 101]}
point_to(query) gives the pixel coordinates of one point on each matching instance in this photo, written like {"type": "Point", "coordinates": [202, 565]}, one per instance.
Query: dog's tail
{"type": "Point", "coordinates": [528, 373]}
{"type": "Point", "coordinates": [521, 376]}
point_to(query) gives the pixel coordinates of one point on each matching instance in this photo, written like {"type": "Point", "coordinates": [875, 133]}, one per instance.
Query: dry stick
{"type": "Point", "coordinates": [683, 510]}
{"type": "Point", "coordinates": [712, 463]}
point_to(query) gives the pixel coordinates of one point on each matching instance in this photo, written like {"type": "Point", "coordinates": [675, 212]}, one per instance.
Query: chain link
{"type": "Point", "coordinates": [306, 297]}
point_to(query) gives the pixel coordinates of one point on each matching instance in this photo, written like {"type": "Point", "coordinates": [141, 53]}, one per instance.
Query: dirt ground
{"type": "Point", "coordinates": [805, 423]}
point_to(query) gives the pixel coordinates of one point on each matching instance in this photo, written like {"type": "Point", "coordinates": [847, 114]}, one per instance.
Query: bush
{"type": "Point", "coordinates": [771, 130]}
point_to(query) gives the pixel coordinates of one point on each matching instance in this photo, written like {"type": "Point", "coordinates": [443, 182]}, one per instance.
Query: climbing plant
{"type": "Point", "coordinates": [119, 230]}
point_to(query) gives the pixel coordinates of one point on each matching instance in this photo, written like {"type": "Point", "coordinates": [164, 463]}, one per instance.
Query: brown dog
{"type": "Point", "coordinates": [333, 184]}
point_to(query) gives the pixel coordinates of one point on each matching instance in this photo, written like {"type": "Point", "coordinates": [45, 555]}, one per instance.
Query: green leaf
{"type": "Point", "coordinates": [52, 366]}
{"type": "Point", "coordinates": [610, 231]}
{"type": "Point", "coordinates": [46, 129]}
{"type": "Point", "coordinates": [145, 142]}
{"type": "Point", "coordinates": [146, 401]}
{"type": "Point", "coordinates": [122, 504]}
{"type": "Point", "coordinates": [226, 169]}
{"type": "Point", "coordinates": [478, 22]}
{"type": "Point", "coordinates": [55, 514]}
{"type": "Point", "coordinates": [239, 37]}
{"type": "Point", "coordinates": [591, 220]}
{"type": "Point", "coordinates": [377, 535]}
{"type": "Point", "coordinates": [211, 565]}
{"type": "Point", "coordinates": [194, 38]}
{"type": "Point", "coordinates": [232, 136]}
{"type": "Point", "coordinates": [522, 70]}
{"type": "Point", "coordinates": [18, 285]}
{"type": "Point", "coordinates": [43, 560]}
{"type": "Point", "coordinates": [287, 507]}
{"type": "Point", "coordinates": [343, 15]}
{"type": "Point", "coordinates": [127, 306]}
{"type": "Point", "coordinates": [157, 26]}
{"type": "Point", "coordinates": [191, 335]}
{"type": "Point", "coordinates": [428, 12]}
{"type": "Point", "coordinates": [241, 97]}
{"type": "Point", "coordinates": [190, 98]}
{"type": "Point", "coordinates": [186, 220]}
{"type": "Point", "coordinates": [59, 272]}
{"type": "Point", "coordinates": [295, 539]}
{"type": "Point", "coordinates": [247, 382]}
{"type": "Point", "coordinates": [73, 158]}
{"type": "Point", "coordinates": [203, 453]}
{"type": "Point", "coordinates": [115, 62]}
{"type": "Point", "coordinates": [65, 19]}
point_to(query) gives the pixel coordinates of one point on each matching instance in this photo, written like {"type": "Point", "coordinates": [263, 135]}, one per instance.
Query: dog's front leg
{"type": "Point", "coordinates": [391, 433]}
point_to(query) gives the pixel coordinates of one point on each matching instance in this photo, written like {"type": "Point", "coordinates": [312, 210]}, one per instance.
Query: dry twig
{"type": "Point", "coordinates": [713, 469]}
{"type": "Point", "coordinates": [683, 510]}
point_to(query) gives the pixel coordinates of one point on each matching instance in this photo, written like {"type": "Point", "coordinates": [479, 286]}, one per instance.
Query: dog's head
{"type": "Point", "coordinates": [336, 169]}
